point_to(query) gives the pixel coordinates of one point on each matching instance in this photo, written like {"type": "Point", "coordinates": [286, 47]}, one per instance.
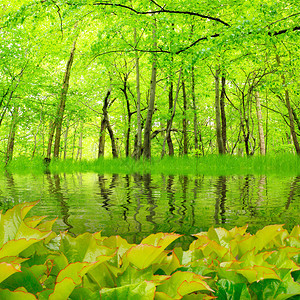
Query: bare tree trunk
{"type": "Point", "coordinates": [169, 125]}
{"type": "Point", "coordinates": [101, 147]}
{"type": "Point", "coordinates": [288, 105]}
{"type": "Point", "coordinates": [51, 135]}
{"type": "Point", "coordinates": [12, 133]}
{"type": "Point", "coordinates": [74, 139]}
{"type": "Point", "coordinates": [103, 126]}
{"type": "Point", "coordinates": [148, 125]}
{"type": "Point", "coordinates": [223, 114]}
{"type": "Point", "coordinates": [66, 139]}
{"type": "Point", "coordinates": [63, 98]}
{"type": "Point", "coordinates": [138, 102]}
{"type": "Point", "coordinates": [196, 142]}
{"type": "Point", "coordinates": [79, 151]}
{"type": "Point", "coordinates": [114, 150]}
{"type": "Point", "coordinates": [184, 121]}
{"type": "Point", "coordinates": [260, 125]}
{"type": "Point", "coordinates": [218, 113]}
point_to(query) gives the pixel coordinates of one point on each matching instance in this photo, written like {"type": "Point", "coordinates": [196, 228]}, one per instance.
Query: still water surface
{"type": "Point", "coordinates": [135, 206]}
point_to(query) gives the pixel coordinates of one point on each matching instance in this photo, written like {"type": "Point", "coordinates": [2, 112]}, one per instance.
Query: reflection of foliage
{"type": "Point", "coordinates": [34, 261]}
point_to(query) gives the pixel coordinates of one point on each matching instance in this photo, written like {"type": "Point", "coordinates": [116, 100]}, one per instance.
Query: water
{"type": "Point", "coordinates": [135, 206]}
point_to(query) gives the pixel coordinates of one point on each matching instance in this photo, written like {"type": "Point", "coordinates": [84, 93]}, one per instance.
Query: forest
{"type": "Point", "coordinates": [84, 79]}
{"type": "Point", "coordinates": [149, 149]}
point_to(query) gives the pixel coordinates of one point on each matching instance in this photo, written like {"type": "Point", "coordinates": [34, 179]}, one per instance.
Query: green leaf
{"type": "Point", "coordinates": [183, 283]}
{"type": "Point", "coordinates": [26, 279]}
{"type": "Point", "coordinates": [142, 291]}
{"type": "Point", "coordinates": [142, 256]}
{"type": "Point", "coordinates": [16, 295]}
{"type": "Point", "coordinates": [160, 239]}
{"type": "Point", "coordinates": [229, 290]}
{"type": "Point", "coordinates": [132, 275]}
{"type": "Point", "coordinates": [257, 273]}
{"type": "Point", "coordinates": [84, 248]}
{"type": "Point", "coordinates": [7, 269]}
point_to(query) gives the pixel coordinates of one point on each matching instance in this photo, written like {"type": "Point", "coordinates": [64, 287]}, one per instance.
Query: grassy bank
{"type": "Point", "coordinates": [206, 165]}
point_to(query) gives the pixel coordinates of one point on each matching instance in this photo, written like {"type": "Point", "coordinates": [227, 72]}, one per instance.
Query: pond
{"type": "Point", "coordinates": [135, 206]}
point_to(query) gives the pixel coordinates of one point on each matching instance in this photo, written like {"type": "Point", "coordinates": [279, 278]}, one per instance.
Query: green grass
{"type": "Point", "coordinates": [207, 165]}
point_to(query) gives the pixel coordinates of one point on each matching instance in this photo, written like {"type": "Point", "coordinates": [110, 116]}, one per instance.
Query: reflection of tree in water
{"type": "Point", "coordinates": [221, 190]}
{"type": "Point", "coordinates": [293, 189]}
{"type": "Point", "coordinates": [13, 192]}
{"type": "Point", "coordinates": [197, 188]}
{"type": "Point", "coordinates": [182, 209]}
{"type": "Point", "coordinates": [107, 192]}
{"type": "Point", "coordinates": [127, 205]}
{"type": "Point", "coordinates": [137, 181]}
{"type": "Point", "coordinates": [56, 191]}
{"type": "Point", "coordinates": [171, 200]}
{"type": "Point", "coordinates": [150, 199]}
{"type": "Point", "coordinates": [245, 196]}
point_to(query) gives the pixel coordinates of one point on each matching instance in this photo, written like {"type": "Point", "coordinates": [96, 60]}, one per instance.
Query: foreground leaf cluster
{"type": "Point", "coordinates": [36, 263]}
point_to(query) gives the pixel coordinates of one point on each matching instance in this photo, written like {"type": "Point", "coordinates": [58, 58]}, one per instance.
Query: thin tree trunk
{"type": "Point", "coordinates": [129, 115]}
{"type": "Point", "coordinates": [184, 121]}
{"type": "Point", "coordinates": [218, 113]}
{"type": "Point", "coordinates": [79, 151]}
{"type": "Point", "coordinates": [196, 142]}
{"type": "Point", "coordinates": [223, 114]}
{"type": "Point", "coordinates": [138, 102]}
{"type": "Point", "coordinates": [51, 135]}
{"type": "Point", "coordinates": [260, 125]}
{"type": "Point", "coordinates": [74, 139]}
{"type": "Point", "coordinates": [288, 105]}
{"type": "Point", "coordinates": [11, 137]}
{"type": "Point", "coordinates": [169, 125]}
{"type": "Point", "coordinates": [148, 125]}
{"type": "Point", "coordinates": [101, 147]}
{"type": "Point", "coordinates": [63, 98]}
{"type": "Point", "coordinates": [114, 150]}
{"type": "Point", "coordinates": [127, 146]}
{"type": "Point", "coordinates": [66, 139]}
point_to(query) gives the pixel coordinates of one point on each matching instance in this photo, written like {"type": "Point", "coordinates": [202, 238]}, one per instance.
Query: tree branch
{"type": "Point", "coordinates": [162, 10]}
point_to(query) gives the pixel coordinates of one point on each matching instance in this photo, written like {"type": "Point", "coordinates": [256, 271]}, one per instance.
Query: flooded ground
{"type": "Point", "coordinates": [135, 206]}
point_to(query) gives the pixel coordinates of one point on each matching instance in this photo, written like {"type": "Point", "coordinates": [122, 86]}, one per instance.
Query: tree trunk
{"type": "Point", "coordinates": [196, 142]}
{"type": "Point", "coordinates": [101, 147]}
{"type": "Point", "coordinates": [114, 150]}
{"type": "Point", "coordinates": [148, 125]}
{"type": "Point", "coordinates": [184, 121]}
{"type": "Point", "coordinates": [223, 114]}
{"type": "Point", "coordinates": [12, 133]}
{"type": "Point", "coordinates": [138, 102]}
{"type": "Point", "coordinates": [260, 125]}
{"type": "Point", "coordinates": [74, 139]}
{"type": "Point", "coordinates": [51, 135]}
{"type": "Point", "coordinates": [105, 124]}
{"type": "Point", "coordinates": [66, 139]}
{"type": "Point", "coordinates": [79, 151]}
{"type": "Point", "coordinates": [129, 115]}
{"type": "Point", "coordinates": [127, 146]}
{"type": "Point", "coordinates": [218, 113]}
{"type": "Point", "coordinates": [63, 98]}
{"type": "Point", "coordinates": [288, 105]}
{"type": "Point", "coordinates": [169, 125]}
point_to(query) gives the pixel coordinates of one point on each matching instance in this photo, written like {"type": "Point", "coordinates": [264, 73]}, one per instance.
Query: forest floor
{"type": "Point", "coordinates": [286, 164]}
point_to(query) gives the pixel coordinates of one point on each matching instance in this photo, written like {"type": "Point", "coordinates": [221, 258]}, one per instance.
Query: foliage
{"type": "Point", "coordinates": [36, 263]}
